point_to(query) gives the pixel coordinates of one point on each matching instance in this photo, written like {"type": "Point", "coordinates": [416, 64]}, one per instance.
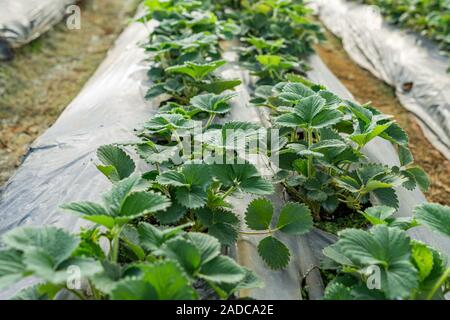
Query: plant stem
{"type": "Point", "coordinates": [257, 233]}
{"type": "Point", "coordinates": [78, 294]}
{"type": "Point", "coordinates": [115, 243]}
{"type": "Point", "coordinates": [228, 192]}
{"type": "Point", "coordinates": [310, 158]}
{"type": "Point", "coordinates": [438, 284]}
{"type": "Point", "coordinates": [210, 120]}
{"type": "Point", "coordinates": [177, 137]}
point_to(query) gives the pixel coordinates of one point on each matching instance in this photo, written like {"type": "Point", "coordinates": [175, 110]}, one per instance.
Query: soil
{"type": "Point", "coordinates": [48, 73]}
{"type": "Point", "coordinates": [365, 87]}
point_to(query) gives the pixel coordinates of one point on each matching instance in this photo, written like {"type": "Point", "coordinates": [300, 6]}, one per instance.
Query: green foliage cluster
{"type": "Point", "coordinates": [276, 36]}
{"type": "Point", "coordinates": [431, 18]}
{"type": "Point", "coordinates": [161, 232]}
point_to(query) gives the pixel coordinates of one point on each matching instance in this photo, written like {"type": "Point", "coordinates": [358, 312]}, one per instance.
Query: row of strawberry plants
{"type": "Point", "coordinates": [140, 259]}
{"type": "Point", "coordinates": [322, 167]}
{"type": "Point", "coordinates": [431, 18]}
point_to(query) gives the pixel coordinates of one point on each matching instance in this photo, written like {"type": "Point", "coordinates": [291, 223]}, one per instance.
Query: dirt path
{"type": "Point", "coordinates": [365, 87]}
{"type": "Point", "coordinates": [49, 72]}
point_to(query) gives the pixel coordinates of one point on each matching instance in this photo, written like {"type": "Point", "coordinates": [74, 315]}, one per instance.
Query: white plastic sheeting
{"type": "Point", "coordinates": [404, 60]}
{"type": "Point", "coordinates": [59, 167]}
{"type": "Point", "coordinates": [22, 21]}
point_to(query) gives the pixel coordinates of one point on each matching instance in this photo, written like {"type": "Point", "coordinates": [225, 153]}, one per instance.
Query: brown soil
{"type": "Point", "coordinates": [47, 74]}
{"type": "Point", "coordinates": [365, 87]}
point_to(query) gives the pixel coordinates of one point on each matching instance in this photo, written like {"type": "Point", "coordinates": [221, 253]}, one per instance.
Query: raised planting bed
{"type": "Point", "coordinates": [236, 154]}
{"type": "Point", "coordinates": [413, 65]}
{"type": "Point", "coordinates": [23, 21]}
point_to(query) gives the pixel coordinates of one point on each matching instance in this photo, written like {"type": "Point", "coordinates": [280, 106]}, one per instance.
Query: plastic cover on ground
{"type": "Point", "coordinates": [404, 60]}
{"type": "Point", "coordinates": [22, 21]}
{"type": "Point", "coordinates": [60, 165]}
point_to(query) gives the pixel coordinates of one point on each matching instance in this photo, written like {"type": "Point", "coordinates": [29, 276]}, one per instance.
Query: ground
{"type": "Point", "coordinates": [48, 73]}
{"type": "Point", "coordinates": [365, 87]}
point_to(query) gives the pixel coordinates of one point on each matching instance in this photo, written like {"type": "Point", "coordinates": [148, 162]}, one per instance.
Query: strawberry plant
{"type": "Point", "coordinates": [276, 34]}
{"type": "Point", "coordinates": [407, 269]}
{"type": "Point", "coordinates": [322, 162]}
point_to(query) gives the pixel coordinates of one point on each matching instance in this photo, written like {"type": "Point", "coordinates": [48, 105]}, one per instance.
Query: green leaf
{"type": "Point", "coordinates": [259, 214]}
{"type": "Point", "coordinates": [43, 265]}
{"type": "Point", "coordinates": [295, 219]}
{"type": "Point", "coordinates": [209, 247]}
{"type": "Point", "coordinates": [405, 155]}
{"type": "Point", "coordinates": [396, 135]}
{"type": "Point", "coordinates": [117, 163]}
{"type": "Point", "coordinates": [310, 112]}
{"type": "Point", "coordinates": [423, 259]}
{"type": "Point", "coordinates": [191, 197]}
{"type": "Point", "coordinates": [86, 208]}
{"type": "Point", "coordinates": [56, 243]}
{"type": "Point", "coordinates": [219, 86]}
{"type": "Point", "coordinates": [172, 178]}
{"type": "Point", "coordinates": [421, 177]}
{"type": "Point", "coordinates": [12, 269]}
{"type": "Point", "coordinates": [294, 92]}
{"type": "Point", "coordinates": [169, 281]}
{"type": "Point", "coordinates": [34, 292]}
{"type": "Point", "coordinates": [107, 279]}
{"type": "Point", "coordinates": [434, 216]}
{"type": "Point", "coordinates": [212, 103]}
{"type": "Point", "coordinates": [185, 252]}
{"type": "Point", "coordinates": [337, 291]}
{"type": "Point", "coordinates": [390, 249]}
{"type": "Point", "coordinates": [222, 269]}
{"type": "Point", "coordinates": [244, 177]}
{"type": "Point", "coordinates": [122, 203]}
{"type": "Point", "coordinates": [335, 252]}
{"type": "Point", "coordinates": [154, 91]}
{"type": "Point", "coordinates": [115, 197]}
{"type": "Point", "coordinates": [221, 224]}
{"type": "Point", "coordinates": [167, 122]}
{"type": "Point", "coordinates": [190, 175]}
{"type": "Point", "coordinates": [369, 133]}
{"type": "Point", "coordinates": [153, 153]}
{"type": "Point", "coordinates": [274, 253]}
{"type": "Point", "coordinates": [141, 203]}
{"type": "Point", "coordinates": [387, 197]}
{"type": "Point", "coordinates": [269, 60]}
{"type": "Point", "coordinates": [378, 214]}
{"type": "Point", "coordinates": [172, 215]}
{"type": "Point", "coordinates": [250, 281]}
{"type": "Point", "coordinates": [152, 238]}
{"type": "Point", "coordinates": [133, 289]}
{"type": "Point", "coordinates": [196, 71]}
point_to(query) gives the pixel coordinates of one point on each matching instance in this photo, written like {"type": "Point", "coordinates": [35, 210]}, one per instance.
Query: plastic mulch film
{"type": "Point", "coordinates": [404, 60]}
{"type": "Point", "coordinates": [60, 165]}
{"type": "Point", "coordinates": [382, 151]}
{"type": "Point", "coordinates": [22, 21]}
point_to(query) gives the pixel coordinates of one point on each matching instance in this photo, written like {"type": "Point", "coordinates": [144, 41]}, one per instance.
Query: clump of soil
{"type": "Point", "coordinates": [48, 73]}
{"type": "Point", "coordinates": [365, 87]}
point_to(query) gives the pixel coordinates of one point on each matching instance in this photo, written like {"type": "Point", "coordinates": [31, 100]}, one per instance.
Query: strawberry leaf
{"type": "Point", "coordinates": [274, 253]}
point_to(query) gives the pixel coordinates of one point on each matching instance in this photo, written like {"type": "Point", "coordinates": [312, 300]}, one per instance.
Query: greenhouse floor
{"type": "Point", "coordinates": [47, 74]}
{"type": "Point", "coordinates": [383, 97]}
